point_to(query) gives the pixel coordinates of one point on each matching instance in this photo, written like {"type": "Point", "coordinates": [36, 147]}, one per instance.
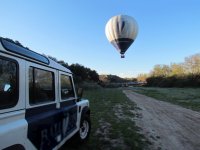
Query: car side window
{"type": "Point", "coordinates": [66, 87]}
{"type": "Point", "coordinates": [41, 86]}
{"type": "Point", "coordinates": [8, 83]}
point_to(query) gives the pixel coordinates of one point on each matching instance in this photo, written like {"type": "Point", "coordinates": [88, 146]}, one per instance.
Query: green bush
{"type": "Point", "coordinates": [191, 80]}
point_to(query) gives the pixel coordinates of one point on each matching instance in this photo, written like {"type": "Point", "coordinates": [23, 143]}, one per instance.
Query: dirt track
{"type": "Point", "coordinates": [167, 126]}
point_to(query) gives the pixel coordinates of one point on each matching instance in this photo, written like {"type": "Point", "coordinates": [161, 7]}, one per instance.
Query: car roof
{"type": "Point", "coordinates": [9, 46]}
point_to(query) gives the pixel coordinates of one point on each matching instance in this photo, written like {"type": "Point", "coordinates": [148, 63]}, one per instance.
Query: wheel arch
{"type": "Point", "coordinates": [85, 111]}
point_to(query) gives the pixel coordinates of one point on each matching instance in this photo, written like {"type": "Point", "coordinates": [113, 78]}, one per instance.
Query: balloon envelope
{"type": "Point", "coordinates": [121, 31]}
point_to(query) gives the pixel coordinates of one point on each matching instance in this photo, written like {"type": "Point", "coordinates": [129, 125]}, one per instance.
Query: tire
{"type": "Point", "coordinates": [84, 131]}
{"type": "Point", "coordinates": [79, 138]}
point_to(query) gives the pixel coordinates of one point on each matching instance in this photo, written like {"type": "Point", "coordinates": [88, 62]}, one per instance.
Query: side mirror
{"type": "Point", "coordinates": [79, 93]}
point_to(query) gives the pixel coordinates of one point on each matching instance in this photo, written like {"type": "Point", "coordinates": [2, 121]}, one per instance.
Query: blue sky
{"type": "Point", "coordinates": [74, 31]}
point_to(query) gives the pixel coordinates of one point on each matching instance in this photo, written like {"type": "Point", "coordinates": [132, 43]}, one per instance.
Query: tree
{"type": "Point", "coordinates": [161, 71]}
{"type": "Point", "coordinates": [79, 70]}
{"type": "Point", "coordinates": [142, 77]}
{"type": "Point", "coordinates": [94, 75]}
{"type": "Point", "coordinates": [82, 73]}
{"type": "Point", "coordinates": [177, 69]}
{"type": "Point", "coordinates": [192, 64]}
{"type": "Point", "coordinates": [53, 58]}
{"type": "Point", "coordinates": [63, 63]}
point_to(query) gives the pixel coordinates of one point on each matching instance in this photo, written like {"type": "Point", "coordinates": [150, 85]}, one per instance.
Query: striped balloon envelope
{"type": "Point", "coordinates": [121, 31]}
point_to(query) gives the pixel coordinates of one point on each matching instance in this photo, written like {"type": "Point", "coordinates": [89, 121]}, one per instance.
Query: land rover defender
{"type": "Point", "coordinates": [39, 106]}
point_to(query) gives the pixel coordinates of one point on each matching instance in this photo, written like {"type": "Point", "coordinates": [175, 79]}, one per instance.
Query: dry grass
{"type": "Point", "coordinates": [113, 126]}
{"type": "Point", "coordinates": [186, 97]}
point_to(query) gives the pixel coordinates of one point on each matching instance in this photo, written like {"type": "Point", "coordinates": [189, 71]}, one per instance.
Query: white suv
{"type": "Point", "coordinates": [39, 107]}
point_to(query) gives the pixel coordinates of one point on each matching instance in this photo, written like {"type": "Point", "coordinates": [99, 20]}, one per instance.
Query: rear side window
{"type": "Point", "coordinates": [41, 86]}
{"type": "Point", "coordinates": [8, 83]}
{"type": "Point", "coordinates": [66, 87]}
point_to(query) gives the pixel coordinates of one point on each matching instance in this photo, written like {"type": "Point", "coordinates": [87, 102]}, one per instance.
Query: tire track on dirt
{"type": "Point", "coordinates": [167, 126]}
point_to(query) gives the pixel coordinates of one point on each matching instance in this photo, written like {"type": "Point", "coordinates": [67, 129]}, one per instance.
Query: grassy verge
{"type": "Point", "coordinates": [113, 126]}
{"type": "Point", "coordinates": [186, 97]}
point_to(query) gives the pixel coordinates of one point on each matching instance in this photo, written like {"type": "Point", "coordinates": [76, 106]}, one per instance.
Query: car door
{"type": "Point", "coordinates": [42, 106]}
{"type": "Point", "coordinates": [68, 106]}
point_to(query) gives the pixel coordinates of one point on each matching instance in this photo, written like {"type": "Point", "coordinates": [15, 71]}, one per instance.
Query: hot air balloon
{"type": "Point", "coordinates": [121, 31]}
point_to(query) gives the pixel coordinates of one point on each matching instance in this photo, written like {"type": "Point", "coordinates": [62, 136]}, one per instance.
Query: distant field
{"type": "Point", "coordinates": [186, 97]}
{"type": "Point", "coordinates": [113, 126]}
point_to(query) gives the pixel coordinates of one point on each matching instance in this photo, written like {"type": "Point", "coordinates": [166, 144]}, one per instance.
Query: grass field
{"type": "Point", "coordinates": [186, 97]}
{"type": "Point", "coordinates": [113, 127]}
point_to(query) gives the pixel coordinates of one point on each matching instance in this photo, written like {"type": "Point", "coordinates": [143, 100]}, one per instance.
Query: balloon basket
{"type": "Point", "coordinates": [122, 56]}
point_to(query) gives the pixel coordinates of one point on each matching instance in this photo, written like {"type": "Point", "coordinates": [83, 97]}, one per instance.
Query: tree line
{"type": "Point", "coordinates": [185, 74]}
{"type": "Point", "coordinates": [80, 72]}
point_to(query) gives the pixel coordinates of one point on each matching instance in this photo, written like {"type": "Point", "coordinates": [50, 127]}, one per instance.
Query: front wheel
{"type": "Point", "coordinates": [84, 130]}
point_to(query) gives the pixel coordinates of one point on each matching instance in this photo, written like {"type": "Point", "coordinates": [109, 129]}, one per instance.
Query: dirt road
{"type": "Point", "coordinates": [167, 126]}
